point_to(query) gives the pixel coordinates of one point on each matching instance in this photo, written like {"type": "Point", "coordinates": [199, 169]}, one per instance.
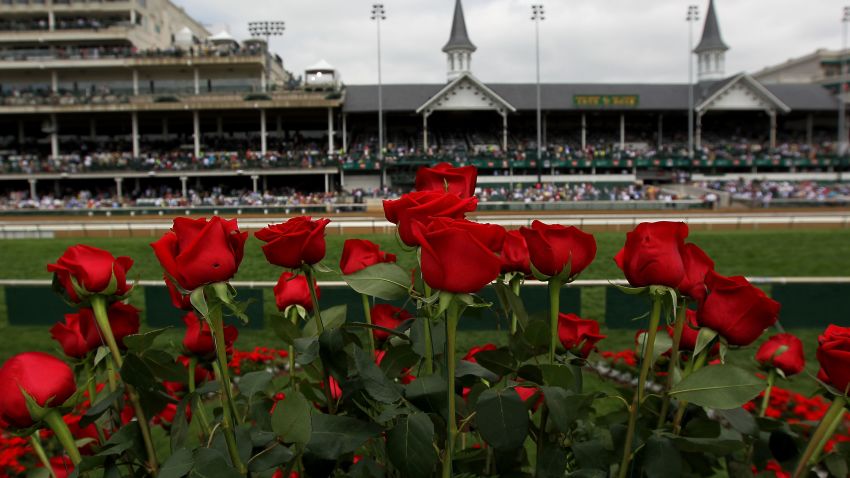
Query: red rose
{"type": "Point", "coordinates": [736, 309]}
{"type": "Point", "coordinates": [422, 206]}
{"type": "Point", "coordinates": [292, 289]}
{"type": "Point", "coordinates": [834, 356]}
{"type": "Point", "coordinates": [92, 270]}
{"type": "Point", "coordinates": [389, 317]}
{"type": "Point", "coordinates": [578, 335]}
{"type": "Point", "coordinates": [294, 243]}
{"type": "Point", "coordinates": [198, 340]}
{"type": "Point", "coordinates": [551, 247]}
{"type": "Point", "coordinates": [78, 335]}
{"type": "Point", "coordinates": [80, 433]}
{"type": "Point", "coordinates": [454, 258]}
{"type": "Point", "coordinates": [791, 361]}
{"type": "Point", "coordinates": [446, 178]}
{"type": "Point", "coordinates": [514, 254]}
{"type": "Point", "coordinates": [697, 264]}
{"type": "Point", "coordinates": [45, 378]}
{"type": "Point", "coordinates": [491, 235]}
{"type": "Point", "coordinates": [123, 320]}
{"type": "Point", "coordinates": [690, 334]}
{"type": "Point", "coordinates": [178, 299]}
{"type": "Point", "coordinates": [528, 392]}
{"type": "Point", "coordinates": [653, 254]}
{"type": "Point", "coordinates": [62, 466]}
{"type": "Point", "coordinates": [197, 252]}
{"type": "Point", "coordinates": [470, 356]}
{"type": "Point", "coordinates": [358, 254]}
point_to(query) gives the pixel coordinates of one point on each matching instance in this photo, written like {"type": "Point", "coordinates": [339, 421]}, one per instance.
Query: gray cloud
{"type": "Point", "coordinates": [581, 40]}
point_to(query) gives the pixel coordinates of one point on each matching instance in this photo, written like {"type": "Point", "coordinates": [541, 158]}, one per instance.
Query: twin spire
{"type": "Point", "coordinates": [459, 48]}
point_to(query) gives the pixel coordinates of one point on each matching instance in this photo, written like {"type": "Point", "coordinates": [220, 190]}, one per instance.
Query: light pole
{"type": "Point", "coordinates": [693, 16]}
{"type": "Point", "coordinates": [537, 16]}
{"type": "Point", "coordinates": [842, 81]}
{"type": "Point", "coordinates": [379, 14]}
{"type": "Point", "coordinates": [266, 30]}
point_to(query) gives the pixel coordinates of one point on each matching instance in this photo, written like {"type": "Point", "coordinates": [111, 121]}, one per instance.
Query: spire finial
{"type": "Point", "coordinates": [711, 39]}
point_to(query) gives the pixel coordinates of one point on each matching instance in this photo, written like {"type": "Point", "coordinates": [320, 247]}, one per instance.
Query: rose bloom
{"type": "Point", "coordinates": [389, 317]}
{"type": "Point", "coordinates": [652, 254]}
{"type": "Point", "coordinates": [198, 340]}
{"type": "Point", "coordinates": [552, 247]}
{"type": "Point", "coordinates": [79, 334]}
{"type": "Point", "coordinates": [736, 309]}
{"type": "Point", "coordinates": [178, 299]}
{"type": "Point", "coordinates": [578, 335]}
{"type": "Point", "coordinates": [515, 257]}
{"type": "Point", "coordinates": [92, 269]}
{"type": "Point", "coordinates": [446, 178]}
{"type": "Point", "coordinates": [422, 207]}
{"type": "Point", "coordinates": [791, 361]}
{"type": "Point", "coordinates": [292, 289]}
{"type": "Point", "coordinates": [358, 254]}
{"type": "Point", "coordinates": [697, 265]}
{"type": "Point", "coordinates": [833, 354]}
{"type": "Point", "coordinates": [294, 243]}
{"type": "Point", "coordinates": [456, 257]}
{"type": "Point", "coordinates": [45, 378]}
{"type": "Point", "coordinates": [197, 252]}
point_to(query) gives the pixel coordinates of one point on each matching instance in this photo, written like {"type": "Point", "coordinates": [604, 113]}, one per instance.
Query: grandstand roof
{"type": "Point", "coordinates": [560, 97]}
{"type": "Point", "coordinates": [711, 39]}
{"type": "Point", "coordinates": [459, 38]}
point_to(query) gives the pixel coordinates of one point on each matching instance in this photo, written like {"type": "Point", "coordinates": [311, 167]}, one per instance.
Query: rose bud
{"type": "Point", "coordinates": [834, 357]}
{"type": "Point", "coordinates": [736, 309]}
{"type": "Point", "coordinates": [446, 178]}
{"type": "Point", "coordinates": [470, 356]}
{"type": "Point", "coordinates": [123, 320]}
{"type": "Point", "coordinates": [197, 252]}
{"type": "Point", "coordinates": [45, 378]}
{"type": "Point", "coordinates": [292, 289]}
{"type": "Point", "coordinates": [553, 247]}
{"type": "Point", "coordinates": [782, 351]}
{"type": "Point", "coordinates": [178, 299]}
{"type": "Point", "coordinates": [422, 207]}
{"type": "Point", "coordinates": [697, 264]}
{"type": "Point", "coordinates": [455, 257]}
{"type": "Point", "coordinates": [578, 335]}
{"type": "Point", "coordinates": [78, 335]}
{"type": "Point", "coordinates": [85, 270]}
{"type": "Point", "coordinates": [514, 254]}
{"type": "Point", "coordinates": [389, 317]}
{"type": "Point", "coordinates": [358, 254]}
{"type": "Point", "coordinates": [198, 340]}
{"type": "Point", "coordinates": [653, 254]}
{"type": "Point", "coordinates": [294, 243]}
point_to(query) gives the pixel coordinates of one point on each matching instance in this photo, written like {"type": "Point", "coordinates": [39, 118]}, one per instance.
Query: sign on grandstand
{"type": "Point", "coordinates": [604, 101]}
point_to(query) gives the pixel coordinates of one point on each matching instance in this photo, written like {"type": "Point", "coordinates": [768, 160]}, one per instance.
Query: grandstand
{"type": "Point", "coordinates": [119, 103]}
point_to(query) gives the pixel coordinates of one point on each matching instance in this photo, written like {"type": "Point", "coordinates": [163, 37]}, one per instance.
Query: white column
{"type": "Point", "coordinates": [341, 177]}
{"type": "Point", "coordinates": [196, 132]}
{"type": "Point", "coordinates": [183, 189]}
{"type": "Point", "coordinates": [622, 131]}
{"type": "Point", "coordinates": [505, 131]}
{"type": "Point", "coordinates": [54, 136]}
{"type": "Point", "coordinates": [54, 81]}
{"type": "Point", "coordinates": [134, 117]}
{"type": "Point", "coordinates": [92, 127]}
{"type": "Point", "coordinates": [263, 139]}
{"type": "Point", "coordinates": [772, 114]}
{"type": "Point", "coordinates": [119, 188]}
{"type": "Point", "coordinates": [810, 127]}
{"type": "Point", "coordinates": [327, 183]}
{"type": "Point", "coordinates": [425, 131]}
{"type": "Point", "coordinates": [330, 133]}
{"type": "Point", "coordinates": [344, 133]}
{"type": "Point", "coordinates": [545, 121]}
{"type": "Point", "coordinates": [263, 80]}
{"type": "Point", "coordinates": [254, 179]}
{"type": "Point", "coordinates": [197, 81]}
{"type": "Point", "coordinates": [33, 192]}
{"type": "Point", "coordinates": [132, 16]}
{"type": "Point", "coordinates": [135, 81]}
{"type": "Point", "coordinates": [51, 21]}
{"type": "Point", "coordinates": [583, 131]}
{"type": "Point", "coordinates": [660, 130]}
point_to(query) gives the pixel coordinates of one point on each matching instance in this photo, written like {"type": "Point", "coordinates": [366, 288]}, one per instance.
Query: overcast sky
{"type": "Point", "coordinates": [580, 40]}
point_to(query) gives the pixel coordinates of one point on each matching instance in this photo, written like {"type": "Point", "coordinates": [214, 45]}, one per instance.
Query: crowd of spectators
{"type": "Point", "coordinates": [766, 192]}
{"type": "Point", "coordinates": [575, 192]}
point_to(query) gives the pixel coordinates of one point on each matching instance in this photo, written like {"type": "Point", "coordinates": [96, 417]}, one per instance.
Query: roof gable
{"type": "Point", "coordinates": [740, 92]}
{"type": "Point", "coordinates": [466, 93]}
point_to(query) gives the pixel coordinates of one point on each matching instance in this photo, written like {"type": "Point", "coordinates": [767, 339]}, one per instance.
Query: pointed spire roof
{"type": "Point", "coordinates": [459, 39]}
{"type": "Point", "coordinates": [711, 33]}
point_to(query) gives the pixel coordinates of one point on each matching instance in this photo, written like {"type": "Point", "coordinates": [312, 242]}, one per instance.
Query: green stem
{"type": "Point", "coordinates": [110, 375]}
{"type": "Point", "coordinates": [554, 309]}
{"type": "Point", "coordinates": [98, 303]}
{"type": "Point", "coordinates": [227, 424]}
{"type": "Point", "coordinates": [367, 312]}
{"type": "Point", "coordinates": [63, 434]}
{"type": "Point", "coordinates": [320, 328]}
{"type": "Point", "coordinates": [820, 435]}
{"type": "Point", "coordinates": [426, 328]}
{"type": "Point", "coordinates": [673, 366]}
{"type": "Point", "coordinates": [836, 422]}
{"type": "Point", "coordinates": [646, 362]}
{"type": "Point", "coordinates": [765, 401]}
{"type": "Point", "coordinates": [92, 389]}
{"type": "Point", "coordinates": [42, 456]}
{"type": "Point", "coordinates": [695, 364]}
{"type": "Point", "coordinates": [516, 283]}
{"type": "Point", "coordinates": [291, 355]}
{"type": "Point", "coordinates": [202, 413]}
{"type": "Point", "coordinates": [452, 319]}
